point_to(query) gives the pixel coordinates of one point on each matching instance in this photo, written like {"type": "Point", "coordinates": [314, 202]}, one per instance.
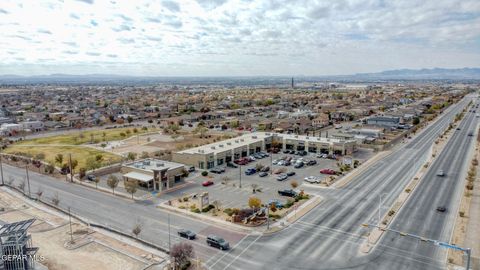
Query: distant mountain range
{"type": "Point", "coordinates": [423, 74]}
{"type": "Point", "coordinates": [460, 74]}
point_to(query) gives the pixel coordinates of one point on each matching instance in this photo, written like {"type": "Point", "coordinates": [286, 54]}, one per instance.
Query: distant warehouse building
{"type": "Point", "coordinates": [220, 153]}
{"type": "Point", "coordinates": [384, 121]}
{"type": "Point", "coordinates": [154, 174]}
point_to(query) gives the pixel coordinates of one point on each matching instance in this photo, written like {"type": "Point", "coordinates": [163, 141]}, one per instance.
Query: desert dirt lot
{"type": "Point", "coordinates": [90, 250]}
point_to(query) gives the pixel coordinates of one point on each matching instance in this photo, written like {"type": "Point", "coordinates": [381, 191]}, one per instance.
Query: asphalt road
{"type": "Point", "coordinates": [327, 237]}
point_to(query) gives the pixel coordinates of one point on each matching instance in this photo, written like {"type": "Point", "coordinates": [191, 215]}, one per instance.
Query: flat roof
{"type": "Point", "coordinates": [139, 176]}
{"type": "Point", "coordinates": [254, 137]}
{"type": "Point", "coordinates": [312, 139]}
{"type": "Point", "coordinates": [151, 164]}
{"type": "Point", "coordinates": [228, 144]}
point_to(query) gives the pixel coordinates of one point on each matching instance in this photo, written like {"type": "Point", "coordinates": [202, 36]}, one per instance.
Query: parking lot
{"type": "Point", "coordinates": [232, 195]}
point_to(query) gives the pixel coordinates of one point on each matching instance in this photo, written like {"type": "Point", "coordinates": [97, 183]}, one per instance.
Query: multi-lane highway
{"type": "Point", "coordinates": [327, 237]}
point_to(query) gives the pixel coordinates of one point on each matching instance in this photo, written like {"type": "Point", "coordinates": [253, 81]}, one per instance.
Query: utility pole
{"type": "Point", "coordinates": [71, 169]}
{"type": "Point", "coordinates": [28, 182]}
{"type": "Point", "coordinates": [70, 221]}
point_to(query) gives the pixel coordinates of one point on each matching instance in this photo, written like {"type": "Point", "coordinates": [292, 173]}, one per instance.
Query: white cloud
{"type": "Point", "coordinates": [237, 37]}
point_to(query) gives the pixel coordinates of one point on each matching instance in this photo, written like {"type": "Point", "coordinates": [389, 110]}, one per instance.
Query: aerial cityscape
{"type": "Point", "coordinates": [239, 134]}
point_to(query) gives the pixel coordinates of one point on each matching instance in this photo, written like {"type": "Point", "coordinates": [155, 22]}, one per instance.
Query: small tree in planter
{"type": "Point", "coordinates": [131, 187]}
{"type": "Point", "coordinates": [112, 182]}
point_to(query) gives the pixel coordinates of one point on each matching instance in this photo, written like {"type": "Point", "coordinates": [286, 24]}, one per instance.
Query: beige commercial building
{"type": "Point", "coordinates": [220, 153]}
{"type": "Point", "coordinates": [154, 174]}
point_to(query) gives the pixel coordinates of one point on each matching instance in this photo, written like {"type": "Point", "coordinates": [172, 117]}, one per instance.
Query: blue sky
{"type": "Point", "coordinates": [236, 37]}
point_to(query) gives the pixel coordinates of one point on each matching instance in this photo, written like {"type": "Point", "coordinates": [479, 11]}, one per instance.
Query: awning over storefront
{"type": "Point", "coordinates": [139, 176]}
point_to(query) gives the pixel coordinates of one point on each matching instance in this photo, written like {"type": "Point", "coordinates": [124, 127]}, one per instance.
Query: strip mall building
{"type": "Point", "coordinates": [219, 153]}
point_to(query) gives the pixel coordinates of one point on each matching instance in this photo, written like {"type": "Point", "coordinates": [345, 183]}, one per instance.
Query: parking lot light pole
{"type": "Point", "coordinates": [240, 174]}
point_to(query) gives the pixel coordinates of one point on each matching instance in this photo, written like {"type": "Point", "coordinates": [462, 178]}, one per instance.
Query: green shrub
{"type": "Point", "coordinates": [208, 208]}
{"type": "Point", "coordinates": [204, 173]}
{"type": "Point", "coordinates": [289, 204]}
{"type": "Point", "coordinates": [196, 210]}
{"type": "Point", "coordinates": [228, 211]}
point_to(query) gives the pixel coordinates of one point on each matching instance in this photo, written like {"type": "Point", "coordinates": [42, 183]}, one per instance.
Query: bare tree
{"type": "Point", "coordinates": [39, 193]}
{"type": "Point", "coordinates": [254, 188]}
{"type": "Point", "coordinates": [10, 181]}
{"type": "Point", "coordinates": [137, 228]}
{"type": "Point", "coordinates": [55, 199]}
{"type": "Point", "coordinates": [131, 187]}
{"type": "Point", "coordinates": [225, 180]}
{"type": "Point", "coordinates": [21, 186]}
{"type": "Point", "coordinates": [112, 182]}
{"type": "Point", "coordinates": [217, 204]}
{"type": "Point", "coordinates": [182, 253]}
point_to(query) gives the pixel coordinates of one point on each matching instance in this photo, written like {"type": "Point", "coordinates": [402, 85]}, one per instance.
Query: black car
{"type": "Point", "coordinates": [441, 209]}
{"type": "Point", "coordinates": [91, 177]}
{"type": "Point", "coordinates": [312, 162]}
{"type": "Point", "coordinates": [187, 234]}
{"type": "Point", "coordinates": [286, 151]}
{"type": "Point", "coordinates": [191, 169]}
{"type": "Point", "coordinates": [298, 165]}
{"type": "Point", "coordinates": [290, 173]}
{"type": "Point", "coordinates": [287, 192]}
{"type": "Point", "coordinates": [302, 153]}
{"type": "Point", "coordinates": [231, 165]}
{"type": "Point", "coordinates": [218, 242]}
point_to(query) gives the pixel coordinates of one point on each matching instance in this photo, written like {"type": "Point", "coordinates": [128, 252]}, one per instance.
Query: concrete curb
{"type": "Point", "coordinates": [376, 234]}
{"type": "Point", "coordinates": [205, 218]}
{"type": "Point", "coordinates": [302, 211]}
{"type": "Point", "coordinates": [91, 224]}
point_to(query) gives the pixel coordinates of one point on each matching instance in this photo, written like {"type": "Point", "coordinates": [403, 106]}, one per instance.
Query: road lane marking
{"type": "Point", "coordinates": [243, 251]}
{"type": "Point", "coordinates": [226, 253]}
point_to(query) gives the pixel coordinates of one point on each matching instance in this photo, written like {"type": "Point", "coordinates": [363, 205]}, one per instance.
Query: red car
{"type": "Point", "coordinates": [207, 183]}
{"type": "Point", "coordinates": [327, 171]}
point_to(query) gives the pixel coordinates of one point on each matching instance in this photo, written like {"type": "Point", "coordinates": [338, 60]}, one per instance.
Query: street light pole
{"type": "Point", "coordinates": [169, 240]}
{"type": "Point", "coordinates": [28, 182]}
{"type": "Point", "coordinates": [379, 208]}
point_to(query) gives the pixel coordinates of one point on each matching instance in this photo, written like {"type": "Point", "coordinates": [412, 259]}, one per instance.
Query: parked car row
{"type": "Point", "coordinates": [327, 156]}
{"type": "Point", "coordinates": [293, 152]}
{"type": "Point", "coordinates": [217, 170]}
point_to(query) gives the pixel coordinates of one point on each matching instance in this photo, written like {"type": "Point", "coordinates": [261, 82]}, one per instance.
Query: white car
{"type": "Point", "coordinates": [275, 162]}
{"type": "Point", "coordinates": [252, 158]}
{"type": "Point", "coordinates": [312, 179]}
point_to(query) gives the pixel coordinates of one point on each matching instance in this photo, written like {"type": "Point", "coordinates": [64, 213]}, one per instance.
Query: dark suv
{"type": "Point", "coordinates": [218, 242]}
{"type": "Point", "coordinates": [287, 192]}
